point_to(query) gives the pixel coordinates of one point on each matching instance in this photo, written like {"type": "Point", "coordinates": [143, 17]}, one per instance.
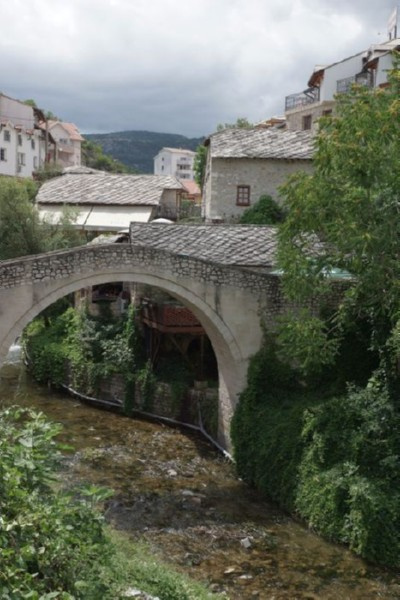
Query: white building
{"type": "Point", "coordinates": [22, 143]}
{"type": "Point", "coordinates": [176, 162]}
{"type": "Point", "coordinates": [368, 68]}
{"type": "Point", "coordinates": [68, 142]}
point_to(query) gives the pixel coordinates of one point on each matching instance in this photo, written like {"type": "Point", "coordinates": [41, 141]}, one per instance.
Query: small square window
{"type": "Point", "coordinates": [327, 113]}
{"type": "Point", "coordinates": [243, 195]}
{"type": "Point", "coordinates": [6, 136]}
{"type": "Point", "coordinates": [307, 121]}
{"type": "Point", "coordinates": [3, 154]}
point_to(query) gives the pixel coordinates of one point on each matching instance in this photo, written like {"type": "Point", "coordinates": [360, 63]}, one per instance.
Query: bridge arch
{"type": "Point", "coordinates": [225, 346]}
{"type": "Point", "coordinates": [226, 300]}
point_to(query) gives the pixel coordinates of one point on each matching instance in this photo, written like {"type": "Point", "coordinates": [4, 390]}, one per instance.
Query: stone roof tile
{"type": "Point", "coordinates": [259, 142]}
{"type": "Point", "coordinates": [240, 245]}
{"type": "Point", "coordinates": [104, 188]}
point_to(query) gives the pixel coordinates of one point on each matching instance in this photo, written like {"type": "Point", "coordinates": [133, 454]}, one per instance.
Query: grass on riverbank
{"type": "Point", "coordinates": [134, 566]}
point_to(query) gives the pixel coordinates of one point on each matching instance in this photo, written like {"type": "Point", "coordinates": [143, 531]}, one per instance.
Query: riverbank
{"type": "Point", "coordinates": [176, 495]}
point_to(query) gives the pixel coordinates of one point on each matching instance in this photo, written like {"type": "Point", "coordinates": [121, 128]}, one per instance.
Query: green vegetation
{"type": "Point", "coordinates": [21, 230]}
{"type": "Point", "coordinates": [241, 123]}
{"type": "Point", "coordinates": [350, 204]}
{"type": "Point", "coordinates": [199, 164]}
{"type": "Point", "coordinates": [75, 346]}
{"type": "Point", "coordinates": [331, 458]}
{"type": "Point", "coordinates": [137, 149]}
{"type": "Point", "coordinates": [94, 157]}
{"type": "Point", "coordinates": [53, 542]}
{"type": "Point", "coordinates": [324, 440]}
{"type": "Point", "coordinates": [83, 348]}
{"type": "Point", "coordinates": [266, 211]}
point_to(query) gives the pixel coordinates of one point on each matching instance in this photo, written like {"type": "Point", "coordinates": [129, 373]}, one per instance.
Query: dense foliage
{"type": "Point", "coordinates": [266, 211]}
{"type": "Point", "coordinates": [53, 542]}
{"type": "Point", "coordinates": [332, 459]}
{"type": "Point", "coordinates": [85, 350]}
{"type": "Point", "coordinates": [345, 218]}
{"type": "Point", "coordinates": [49, 541]}
{"type": "Point", "coordinates": [325, 441]}
{"type": "Point", "coordinates": [21, 230]}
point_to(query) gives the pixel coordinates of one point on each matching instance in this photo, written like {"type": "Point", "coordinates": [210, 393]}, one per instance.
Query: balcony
{"type": "Point", "coordinates": [343, 86]}
{"type": "Point", "coordinates": [308, 96]}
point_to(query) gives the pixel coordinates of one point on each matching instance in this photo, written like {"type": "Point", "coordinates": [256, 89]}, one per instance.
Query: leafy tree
{"type": "Point", "coordinates": [30, 102]}
{"type": "Point", "coordinates": [94, 157]}
{"type": "Point", "coordinates": [21, 229]}
{"type": "Point", "coordinates": [199, 164]}
{"type": "Point", "coordinates": [241, 123]}
{"type": "Point", "coordinates": [264, 212]}
{"type": "Point", "coordinates": [345, 218]}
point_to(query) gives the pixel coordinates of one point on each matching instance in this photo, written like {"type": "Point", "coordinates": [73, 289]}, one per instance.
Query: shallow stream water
{"type": "Point", "coordinates": [175, 492]}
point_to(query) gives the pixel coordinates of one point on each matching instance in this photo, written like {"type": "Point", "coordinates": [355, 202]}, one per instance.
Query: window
{"type": "Point", "coordinates": [243, 195]}
{"type": "Point", "coordinates": [327, 113]}
{"type": "Point", "coordinates": [3, 154]}
{"type": "Point", "coordinates": [32, 144]}
{"type": "Point", "coordinates": [307, 120]}
{"type": "Point", "coordinates": [7, 136]}
{"type": "Point", "coordinates": [19, 139]}
{"type": "Point", "coordinates": [21, 158]}
{"type": "Point", "coordinates": [35, 162]}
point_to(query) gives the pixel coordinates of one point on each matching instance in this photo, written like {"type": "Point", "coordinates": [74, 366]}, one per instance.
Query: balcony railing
{"type": "Point", "coordinates": [343, 86]}
{"type": "Point", "coordinates": [308, 96]}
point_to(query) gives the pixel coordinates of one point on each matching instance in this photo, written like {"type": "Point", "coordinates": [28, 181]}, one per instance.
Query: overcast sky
{"type": "Point", "coordinates": [175, 66]}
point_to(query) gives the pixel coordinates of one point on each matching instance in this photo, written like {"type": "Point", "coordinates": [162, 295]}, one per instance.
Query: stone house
{"type": "Point", "coordinates": [105, 202]}
{"type": "Point", "coordinates": [368, 68]}
{"type": "Point", "coordinates": [22, 143]}
{"type": "Point", "coordinates": [244, 164]}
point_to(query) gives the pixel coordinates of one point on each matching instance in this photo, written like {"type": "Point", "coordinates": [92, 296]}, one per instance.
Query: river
{"type": "Point", "coordinates": [176, 493]}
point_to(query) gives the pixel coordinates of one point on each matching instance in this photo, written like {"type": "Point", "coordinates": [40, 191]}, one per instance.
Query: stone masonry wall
{"type": "Point", "coordinates": [262, 175]}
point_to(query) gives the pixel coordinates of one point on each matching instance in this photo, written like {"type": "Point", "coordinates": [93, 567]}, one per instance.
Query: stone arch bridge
{"type": "Point", "coordinates": [222, 274]}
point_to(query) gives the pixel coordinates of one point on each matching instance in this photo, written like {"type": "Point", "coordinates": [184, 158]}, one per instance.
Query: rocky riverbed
{"type": "Point", "coordinates": [174, 492]}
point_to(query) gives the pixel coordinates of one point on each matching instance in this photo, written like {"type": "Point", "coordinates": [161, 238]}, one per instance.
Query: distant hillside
{"type": "Point", "coordinates": [138, 148]}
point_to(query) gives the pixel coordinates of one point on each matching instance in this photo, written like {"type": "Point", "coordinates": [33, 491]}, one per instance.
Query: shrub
{"type": "Point", "coordinates": [333, 460]}
{"type": "Point", "coordinates": [49, 541]}
{"type": "Point", "coordinates": [264, 212]}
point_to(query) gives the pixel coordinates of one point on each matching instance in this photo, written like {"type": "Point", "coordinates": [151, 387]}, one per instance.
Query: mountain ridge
{"type": "Point", "coordinates": [137, 148]}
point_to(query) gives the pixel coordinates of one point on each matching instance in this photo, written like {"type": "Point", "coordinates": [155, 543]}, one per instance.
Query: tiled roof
{"type": "Point", "coordinates": [105, 188]}
{"type": "Point", "coordinates": [70, 128]}
{"type": "Point", "coordinates": [191, 186]}
{"type": "Point", "coordinates": [240, 245]}
{"type": "Point", "coordinates": [259, 142]}
{"type": "Point", "coordinates": [179, 150]}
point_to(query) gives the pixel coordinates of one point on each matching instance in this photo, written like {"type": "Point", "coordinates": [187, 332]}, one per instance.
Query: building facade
{"type": "Point", "coordinates": [176, 162]}
{"type": "Point", "coordinates": [68, 143]}
{"type": "Point", "coordinates": [22, 143]}
{"type": "Point", "coordinates": [367, 68]}
{"type": "Point", "coordinates": [244, 164]}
